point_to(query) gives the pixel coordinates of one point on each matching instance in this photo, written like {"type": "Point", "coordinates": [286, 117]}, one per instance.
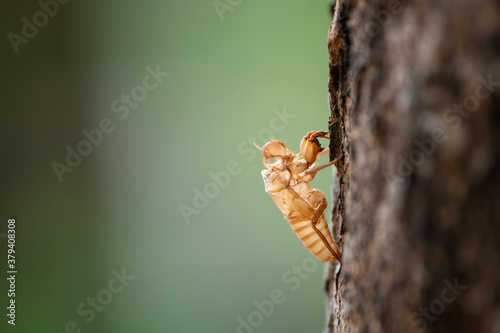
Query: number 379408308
{"type": "Point", "coordinates": [286, 179]}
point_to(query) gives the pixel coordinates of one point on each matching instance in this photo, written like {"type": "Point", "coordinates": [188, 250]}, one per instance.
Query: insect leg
{"type": "Point", "coordinates": [300, 205]}
{"type": "Point", "coordinates": [310, 147]}
{"type": "Point", "coordinates": [321, 134]}
{"type": "Point", "coordinates": [324, 151]}
{"type": "Point", "coordinates": [305, 209]}
{"type": "Point", "coordinates": [315, 219]}
{"type": "Point", "coordinates": [314, 170]}
{"type": "Point", "coordinates": [311, 136]}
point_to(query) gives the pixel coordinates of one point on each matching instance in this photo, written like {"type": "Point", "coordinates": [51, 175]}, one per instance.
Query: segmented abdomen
{"type": "Point", "coordinates": [311, 240]}
{"type": "Point", "coordinates": [287, 201]}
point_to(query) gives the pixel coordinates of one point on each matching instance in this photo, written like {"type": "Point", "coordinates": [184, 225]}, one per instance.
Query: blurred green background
{"type": "Point", "coordinates": [120, 207]}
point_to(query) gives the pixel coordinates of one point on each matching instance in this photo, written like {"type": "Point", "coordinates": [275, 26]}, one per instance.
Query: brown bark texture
{"type": "Point", "coordinates": [414, 93]}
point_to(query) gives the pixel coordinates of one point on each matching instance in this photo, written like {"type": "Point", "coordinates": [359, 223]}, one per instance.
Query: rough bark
{"type": "Point", "coordinates": [419, 127]}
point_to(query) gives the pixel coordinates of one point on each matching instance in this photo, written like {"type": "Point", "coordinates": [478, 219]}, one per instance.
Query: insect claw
{"type": "Point", "coordinates": [310, 147]}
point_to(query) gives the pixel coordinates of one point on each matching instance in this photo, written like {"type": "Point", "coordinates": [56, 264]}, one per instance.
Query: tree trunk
{"type": "Point", "coordinates": [415, 108]}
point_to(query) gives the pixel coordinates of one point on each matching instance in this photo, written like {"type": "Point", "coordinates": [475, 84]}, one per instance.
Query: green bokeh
{"type": "Point", "coordinates": [120, 206]}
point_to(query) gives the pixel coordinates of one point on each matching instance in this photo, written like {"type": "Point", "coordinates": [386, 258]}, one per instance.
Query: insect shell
{"type": "Point", "coordinates": [286, 179]}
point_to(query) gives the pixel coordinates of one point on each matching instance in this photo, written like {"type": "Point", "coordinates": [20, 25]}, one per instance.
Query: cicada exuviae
{"type": "Point", "coordinates": [286, 178]}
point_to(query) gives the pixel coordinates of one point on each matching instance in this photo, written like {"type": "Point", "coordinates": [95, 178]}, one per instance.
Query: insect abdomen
{"type": "Point", "coordinates": [312, 241]}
